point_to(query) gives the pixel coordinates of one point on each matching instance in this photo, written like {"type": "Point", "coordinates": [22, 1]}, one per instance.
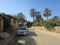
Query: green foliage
{"type": "Point", "coordinates": [29, 24]}
{"type": "Point", "coordinates": [49, 24]}
{"type": "Point", "coordinates": [56, 19]}
{"type": "Point", "coordinates": [38, 16]}
{"type": "Point", "coordinates": [32, 13]}
{"type": "Point", "coordinates": [47, 13]}
{"type": "Point", "coordinates": [20, 17]}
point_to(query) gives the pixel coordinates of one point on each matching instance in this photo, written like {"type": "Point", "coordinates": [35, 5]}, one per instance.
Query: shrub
{"type": "Point", "coordinates": [29, 24]}
{"type": "Point", "coordinates": [49, 24]}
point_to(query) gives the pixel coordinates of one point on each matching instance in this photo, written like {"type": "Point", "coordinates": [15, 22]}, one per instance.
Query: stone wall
{"type": "Point", "coordinates": [39, 28]}
{"type": "Point", "coordinates": [56, 28]}
{"type": "Point", "coordinates": [14, 23]}
{"type": "Point", "coordinates": [1, 24]}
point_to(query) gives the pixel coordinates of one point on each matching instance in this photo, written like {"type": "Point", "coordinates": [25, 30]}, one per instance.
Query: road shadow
{"type": "Point", "coordinates": [28, 41]}
{"type": "Point", "coordinates": [24, 40]}
{"type": "Point", "coordinates": [30, 33]}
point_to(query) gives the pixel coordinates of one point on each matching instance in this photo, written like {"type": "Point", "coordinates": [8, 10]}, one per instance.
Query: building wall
{"type": "Point", "coordinates": [14, 23]}
{"type": "Point", "coordinates": [1, 24]}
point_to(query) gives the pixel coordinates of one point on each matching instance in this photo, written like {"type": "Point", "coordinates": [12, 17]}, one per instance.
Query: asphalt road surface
{"type": "Point", "coordinates": [35, 38]}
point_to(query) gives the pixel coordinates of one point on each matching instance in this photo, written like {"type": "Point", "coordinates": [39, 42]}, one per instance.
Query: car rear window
{"type": "Point", "coordinates": [22, 28]}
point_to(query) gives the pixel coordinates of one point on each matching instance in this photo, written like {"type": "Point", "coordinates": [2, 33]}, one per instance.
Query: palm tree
{"type": "Point", "coordinates": [38, 16]}
{"type": "Point", "coordinates": [32, 13]}
{"type": "Point", "coordinates": [47, 13]}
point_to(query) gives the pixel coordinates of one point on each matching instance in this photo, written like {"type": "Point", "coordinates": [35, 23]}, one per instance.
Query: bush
{"type": "Point", "coordinates": [29, 24]}
{"type": "Point", "coordinates": [49, 24]}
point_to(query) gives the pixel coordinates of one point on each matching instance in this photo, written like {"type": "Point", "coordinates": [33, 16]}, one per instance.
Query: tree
{"type": "Point", "coordinates": [55, 17]}
{"type": "Point", "coordinates": [57, 20]}
{"type": "Point", "coordinates": [20, 17]}
{"type": "Point", "coordinates": [47, 13]}
{"type": "Point", "coordinates": [29, 24]}
{"type": "Point", "coordinates": [38, 16]}
{"type": "Point", "coordinates": [32, 13]}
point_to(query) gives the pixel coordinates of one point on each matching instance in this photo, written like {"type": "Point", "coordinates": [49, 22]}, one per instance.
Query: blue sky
{"type": "Point", "coordinates": [16, 6]}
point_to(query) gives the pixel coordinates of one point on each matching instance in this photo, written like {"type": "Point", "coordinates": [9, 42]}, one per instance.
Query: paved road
{"type": "Point", "coordinates": [35, 38]}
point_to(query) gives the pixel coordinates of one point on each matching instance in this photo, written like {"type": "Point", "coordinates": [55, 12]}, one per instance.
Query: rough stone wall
{"type": "Point", "coordinates": [12, 22]}
{"type": "Point", "coordinates": [1, 24]}
{"type": "Point", "coordinates": [56, 28]}
{"type": "Point", "coordinates": [39, 28]}
{"type": "Point", "coordinates": [16, 24]}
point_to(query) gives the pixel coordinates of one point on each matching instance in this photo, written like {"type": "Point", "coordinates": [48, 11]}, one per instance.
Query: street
{"type": "Point", "coordinates": [35, 38]}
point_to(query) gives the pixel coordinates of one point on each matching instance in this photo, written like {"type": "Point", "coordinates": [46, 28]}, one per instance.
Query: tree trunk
{"type": "Point", "coordinates": [33, 19]}
{"type": "Point", "coordinates": [47, 17]}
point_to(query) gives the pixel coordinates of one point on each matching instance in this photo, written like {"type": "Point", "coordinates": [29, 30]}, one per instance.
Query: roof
{"type": "Point", "coordinates": [6, 16]}
{"type": "Point", "coordinates": [9, 16]}
{"type": "Point", "coordinates": [3, 15]}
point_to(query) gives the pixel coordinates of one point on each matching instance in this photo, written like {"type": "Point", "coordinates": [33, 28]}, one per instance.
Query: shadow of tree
{"type": "Point", "coordinates": [28, 41]}
{"type": "Point", "coordinates": [30, 33]}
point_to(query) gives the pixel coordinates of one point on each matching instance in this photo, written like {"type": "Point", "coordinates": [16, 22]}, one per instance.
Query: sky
{"type": "Point", "coordinates": [15, 6]}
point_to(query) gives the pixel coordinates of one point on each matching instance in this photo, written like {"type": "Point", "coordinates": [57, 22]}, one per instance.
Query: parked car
{"type": "Point", "coordinates": [22, 31]}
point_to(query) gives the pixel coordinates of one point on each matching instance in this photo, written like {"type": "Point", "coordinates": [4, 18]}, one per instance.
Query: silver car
{"type": "Point", "coordinates": [22, 31]}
